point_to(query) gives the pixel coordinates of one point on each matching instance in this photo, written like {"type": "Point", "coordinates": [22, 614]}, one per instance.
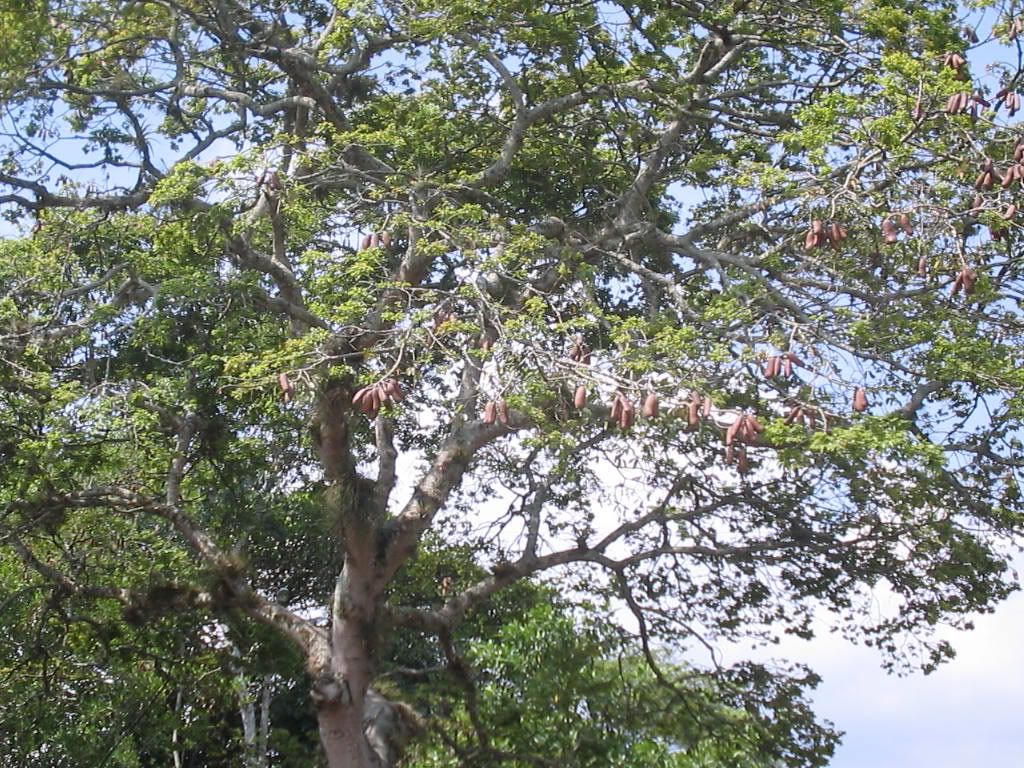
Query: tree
{"type": "Point", "coordinates": [708, 313]}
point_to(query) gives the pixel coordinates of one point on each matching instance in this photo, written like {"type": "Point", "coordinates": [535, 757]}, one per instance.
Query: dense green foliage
{"type": "Point", "coordinates": [793, 223]}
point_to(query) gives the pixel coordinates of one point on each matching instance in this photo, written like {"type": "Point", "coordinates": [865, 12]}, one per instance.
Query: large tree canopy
{"type": "Point", "coordinates": [330, 329]}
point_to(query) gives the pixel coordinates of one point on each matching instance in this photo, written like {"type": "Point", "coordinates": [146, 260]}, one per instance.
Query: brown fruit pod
{"type": "Point", "coordinates": [977, 203]}
{"type": "Point", "coordinates": [889, 235]}
{"type": "Point", "coordinates": [579, 398]}
{"type": "Point", "coordinates": [286, 386]}
{"type": "Point", "coordinates": [385, 239]}
{"type": "Point", "coordinates": [741, 461]}
{"type": "Point", "coordinates": [809, 241]}
{"type": "Point", "coordinates": [707, 407]}
{"type": "Point", "coordinates": [787, 365]}
{"type": "Point", "coordinates": [982, 180]}
{"type": "Point", "coordinates": [733, 430]}
{"type": "Point", "coordinates": [374, 240]}
{"type": "Point", "coordinates": [1010, 212]}
{"type": "Point", "coordinates": [359, 397]}
{"type": "Point", "coordinates": [957, 284]}
{"type": "Point", "coordinates": [394, 389]}
{"type": "Point", "coordinates": [728, 454]}
{"type": "Point", "coordinates": [817, 228]}
{"type": "Point", "coordinates": [490, 412]}
{"type": "Point", "coordinates": [365, 244]}
{"type": "Point", "coordinates": [794, 413]}
{"type": "Point", "coordinates": [503, 412]}
{"type": "Point", "coordinates": [616, 410]}
{"type": "Point", "coordinates": [650, 406]}
{"type": "Point", "coordinates": [967, 276]}
{"type": "Point", "coordinates": [745, 434]}
{"type": "Point", "coordinates": [922, 266]}
{"type": "Point", "coordinates": [771, 368]}
{"type": "Point", "coordinates": [837, 232]}
{"type": "Point", "coordinates": [754, 424]}
{"type": "Point", "coordinates": [860, 400]}
{"type": "Point", "coordinates": [628, 414]}
{"type": "Point", "coordinates": [692, 414]}
{"type": "Point", "coordinates": [905, 224]}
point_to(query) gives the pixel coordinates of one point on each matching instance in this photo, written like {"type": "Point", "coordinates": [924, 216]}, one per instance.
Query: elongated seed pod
{"type": "Point", "coordinates": [579, 399]}
{"type": "Point", "coordinates": [889, 235]}
{"type": "Point", "coordinates": [385, 238]}
{"type": "Point", "coordinates": [359, 396]}
{"type": "Point", "coordinates": [650, 407]}
{"type": "Point", "coordinates": [957, 284]}
{"type": "Point", "coordinates": [860, 400]}
{"type": "Point", "coordinates": [1010, 212]}
{"type": "Point", "coordinates": [809, 240]}
{"type": "Point", "coordinates": [745, 433]}
{"type": "Point", "coordinates": [905, 224]}
{"type": "Point", "coordinates": [628, 414]}
{"type": "Point", "coordinates": [616, 412]}
{"type": "Point", "coordinates": [692, 414]}
{"type": "Point", "coordinates": [733, 430]}
{"type": "Point", "coordinates": [707, 407]}
{"type": "Point", "coordinates": [967, 276]}
{"type": "Point", "coordinates": [787, 366]}
{"type": "Point", "coordinates": [395, 390]}
{"type": "Point", "coordinates": [794, 413]}
{"type": "Point", "coordinates": [741, 461]}
{"type": "Point", "coordinates": [490, 412]}
{"type": "Point", "coordinates": [286, 386]}
{"type": "Point", "coordinates": [367, 239]}
{"type": "Point", "coordinates": [922, 266]}
{"type": "Point", "coordinates": [503, 412]}
{"type": "Point", "coordinates": [374, 240]}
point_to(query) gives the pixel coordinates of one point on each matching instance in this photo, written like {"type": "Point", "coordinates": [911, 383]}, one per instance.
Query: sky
{"type": "Point", "coordinates": [965, 714]}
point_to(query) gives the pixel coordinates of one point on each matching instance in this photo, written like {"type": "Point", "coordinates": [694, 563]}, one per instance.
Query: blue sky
{"type": "Point", "coordinates": [965, 714]}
